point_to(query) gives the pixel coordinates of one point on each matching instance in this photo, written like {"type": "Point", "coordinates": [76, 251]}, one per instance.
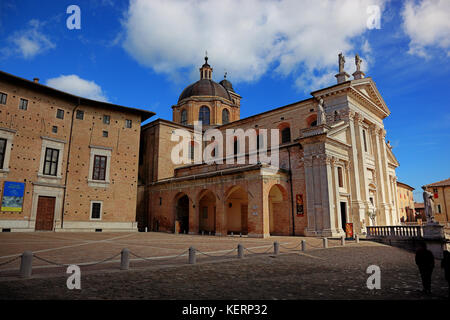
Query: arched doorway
{"type": "Point", "coordinates": [182, 214]}
{"type": "Point", "coordinates": [207, 212]}
{"type": "Point", "coordinates": [278, 211]}
{"type": "Point", "coordinates": [236, 208]}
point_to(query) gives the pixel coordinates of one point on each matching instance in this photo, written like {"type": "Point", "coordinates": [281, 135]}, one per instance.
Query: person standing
{"type": "Point", "coordinates": [445, 264]}
{"type": "Point", "coordinates": [425, 262]}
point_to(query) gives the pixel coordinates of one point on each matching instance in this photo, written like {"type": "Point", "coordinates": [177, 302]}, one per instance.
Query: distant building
{"type": "Point", "coordinates": [441, 198]}
{"type": "Point", "coordinates": [66, 163]}
{"type": "Point", "coordinates": [405, 202]}
{"type": "Point", "coordinates": [420, 210]}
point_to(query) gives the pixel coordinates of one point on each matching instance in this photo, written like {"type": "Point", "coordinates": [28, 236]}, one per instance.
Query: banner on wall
{"type": "Point", "coordinates": [299, 202]}
{"type": "Point", "coordinates": [12, 199]}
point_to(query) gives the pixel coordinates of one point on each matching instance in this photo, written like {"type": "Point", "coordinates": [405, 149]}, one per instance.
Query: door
{"type": "Point", "coordinates": [343, 215]}
{"type": "Point", "coordinates": [45, 213]}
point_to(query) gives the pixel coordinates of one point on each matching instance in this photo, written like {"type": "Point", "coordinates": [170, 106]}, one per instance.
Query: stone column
{"type": "Point", "coordinates": [310, 209]}
{"type": "Point", "coordinates": [357, 204]}
{"type": "Point", "coordinates": [382, 205]}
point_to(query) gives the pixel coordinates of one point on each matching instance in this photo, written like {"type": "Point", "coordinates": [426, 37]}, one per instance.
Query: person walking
{"type": "Point", "coordinates": [425, 262]}
{"type": "Point", "coordinates": [445, 264]}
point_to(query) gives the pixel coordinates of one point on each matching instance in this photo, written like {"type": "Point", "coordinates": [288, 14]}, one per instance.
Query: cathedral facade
{"type": "Point", "coordinates": [335, 169]}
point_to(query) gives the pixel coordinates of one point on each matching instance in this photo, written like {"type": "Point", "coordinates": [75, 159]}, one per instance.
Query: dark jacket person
{"type": "Point", "coordinates": [425, 262]}
{"type": "Point", "coordinates": [445, 264]}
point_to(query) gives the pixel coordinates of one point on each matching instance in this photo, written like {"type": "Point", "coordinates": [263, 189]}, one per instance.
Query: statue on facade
{"type": "Point", "coordinates": [358, 61]}
{"type": "Point", "coordinates": [341, 62]}
{"type": "Point", "coordinates": [321, 118]}
{"type": "Point", "coordinates": [428, 204]}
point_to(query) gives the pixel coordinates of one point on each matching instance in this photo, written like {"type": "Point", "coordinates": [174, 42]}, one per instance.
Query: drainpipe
{"type": "Point", "coordinates": [292, 195]}
{"type": "Point", "coordinates": [67, 163]}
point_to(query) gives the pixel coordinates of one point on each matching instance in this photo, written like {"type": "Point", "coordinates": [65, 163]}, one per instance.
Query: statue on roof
{"type": "Point", "coordinates": [358, 61]}
{"type": "Point", "coordinates": [321, 118]}
{"type": "Point", "coordinates": [341, 62]}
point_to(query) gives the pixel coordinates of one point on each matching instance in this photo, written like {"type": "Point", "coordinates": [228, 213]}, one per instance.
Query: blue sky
{"type": "Point", "coordinates": [143, 53]}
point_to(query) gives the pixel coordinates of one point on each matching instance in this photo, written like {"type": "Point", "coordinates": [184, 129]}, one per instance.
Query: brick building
{"type": "Point", "coordinates": [334, 164]}
{"type": "Point", "coordinates": [405, 200]}
{"type": "Point", "coordinates": [60, 153]}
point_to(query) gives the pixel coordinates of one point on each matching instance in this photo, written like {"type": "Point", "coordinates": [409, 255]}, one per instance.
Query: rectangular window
{"type": "Point", "coordinates": [60, 114]}
{"type": "Point", "coordinates": [80, 114]}
{"type": "Point", "coordinates": [439, 208]}
{"type": "Point", "coordinates": [340, 177]}
{"type": "Point", "coordinates": [2, 152]}
{"type": "Point", "coordinates": [96, 209]}
{"type": "Point", "coordinates": [105, 134]}
{"type": "Point", "coordinates": [23, 104]}
{"type": "Point", "coordinates": [128, 123]}
{"type": "Point", "coordinates": [99, 172]}
{"type": "Point", "coordinates": [106, 119]}
{"type": "Point", "coordinates": [365, 141]}
{"type": "Point", "coordinates": [51, 162]}
{"type": "Point", "coordinates": [55, 129]}
{"type": "Point", "coordinates": [3, 98]}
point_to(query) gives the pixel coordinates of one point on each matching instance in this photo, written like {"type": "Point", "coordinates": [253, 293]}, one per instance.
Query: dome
{"type": "Point", "coordinates": [205, 87]}
{"type": "Point", "coordinates": [227, 85]}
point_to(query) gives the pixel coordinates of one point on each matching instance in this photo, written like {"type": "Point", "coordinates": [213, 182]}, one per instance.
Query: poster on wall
{"type": "Point", "coordinates": [349, 230]}
{"type": "Point", "coordinates": [12, 199]}
{"type": "Point", "coordinates": [299, 201]}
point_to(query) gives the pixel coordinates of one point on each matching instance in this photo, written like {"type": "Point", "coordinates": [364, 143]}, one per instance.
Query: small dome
{"type": "Point", "coordinates": [205, 87]}
{"type": "Point", "coordinates": [227, 85]}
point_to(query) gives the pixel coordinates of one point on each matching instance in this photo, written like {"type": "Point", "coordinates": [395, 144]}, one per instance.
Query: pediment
{"type": "Point", "coordinates": [367, 88]}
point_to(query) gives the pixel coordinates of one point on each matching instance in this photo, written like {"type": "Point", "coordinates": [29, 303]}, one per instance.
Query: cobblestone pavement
{"type": "Point", "coordinates": [334, 273]}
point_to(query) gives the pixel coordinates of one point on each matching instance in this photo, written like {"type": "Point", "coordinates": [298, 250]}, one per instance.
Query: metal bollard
{"type": "Point", "coordinates": [203, 233]}
{"type": "Point", "coordinates": [146, 229]}
{"type": "Point", "coordinates": [240, 234]}
{"type": "Point", "coordinates": [240, 249]}
{"type": "Point", "coordinates": [124, 259]}
{"type": "Point", "coordinates": [325, 242]}
{"type": "Point", "coordinates": [192, 257]}
{"type": "Point", "coordinates": [276, 247]}
{"type": "Point", "coordinates": [26, 264]}
{"type": "Point", "coordinates": [343, 240]}
{"type": "Point", "coordinates": [303, 245]}
{"type": "Point", "coordinates": [210, 233]}
{"type": "Point", "coordinates": [231, 233]}
{"type": "Point", "coordinates": [185, 232]}
{"type": "Point", "coordinates": [357, 238]}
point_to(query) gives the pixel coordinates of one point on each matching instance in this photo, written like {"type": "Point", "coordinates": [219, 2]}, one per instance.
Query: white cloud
{"type": "Point", "coordinates": [77, 86]}
{"type": "Point", "coordinates": [30, 42]}
{"type": "Point", "coordinates": [246, 38]}
{"type": "Point", "coordinates": [427, 24]}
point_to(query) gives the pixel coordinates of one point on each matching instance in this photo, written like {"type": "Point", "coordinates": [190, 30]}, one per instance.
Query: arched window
{"type": "Point", "coordinates": [225, 116]}
{"type": "Point", "coordinates": [314, 123]}
{"type": "Point", "coordinates": [184, 116]}
{"type": "Point", "coordinates": [204, 115]}
{"type": "Point", "coordinates": [286, 135]}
